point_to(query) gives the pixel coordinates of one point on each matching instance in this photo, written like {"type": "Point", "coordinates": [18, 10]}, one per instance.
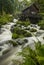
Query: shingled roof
{"type": "Point", "coordinates": [35, 4]}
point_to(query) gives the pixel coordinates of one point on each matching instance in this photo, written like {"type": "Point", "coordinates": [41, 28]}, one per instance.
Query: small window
{"type": "Point", "coordinates": [33, 12]}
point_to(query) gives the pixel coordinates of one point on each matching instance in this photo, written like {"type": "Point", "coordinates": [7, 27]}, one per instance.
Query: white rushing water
{"type": "Point", "coordinates": [6, 34]}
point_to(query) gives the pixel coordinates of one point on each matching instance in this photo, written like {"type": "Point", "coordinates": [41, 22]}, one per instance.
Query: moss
{"type": "Point", "coordinates": [33, 30]}
{"type": "Point", "coordinates": [27, 34]}
{"type": "Point", "coordinates": [13, 43]}
{"type": "Point", "coordinates": [15, 36]}
{"type": "Point", "coordinates": [19, 33]}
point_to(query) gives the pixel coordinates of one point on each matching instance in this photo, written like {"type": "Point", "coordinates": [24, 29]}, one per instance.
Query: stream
{"type": "Point", "coordinates": [7, 35]}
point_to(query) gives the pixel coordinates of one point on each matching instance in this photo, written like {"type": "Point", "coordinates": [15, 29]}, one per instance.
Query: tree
{"type": "Point", "coordinates": [6, 6]}
{"type": "Point", "coordinates": [41, 4]}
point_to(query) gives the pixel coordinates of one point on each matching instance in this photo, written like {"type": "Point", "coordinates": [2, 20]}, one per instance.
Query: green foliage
{"type": "Point", "coordinates": [33, 30]}
{"type": "Point", "coordinates": [33, 57]}
{"type": "Point", "coordinates": [19, 33]}
{"type": "Point", "coordinates": [15, 36]}
{"type": "Point", "coordinates": [41, 24]}
{"type": "Point", "coordinates": [40, 53]}
{"type": "Point", "coordinates": [5, 19]}
{"type": "Point", "coordinates": [20, 5]}
{"type": "Point", "coordinates": [6, 6]}
{"type": "Point", "coordinates": [27, 34]}
{"type": "Point", "coordinates": [13, 43]}
{"type": "Point", "coordinates": [40, 49]}
{"type": "Point", "coordinates": [41, 3]}
{"type": "Point", "coordinates": [24, 23]}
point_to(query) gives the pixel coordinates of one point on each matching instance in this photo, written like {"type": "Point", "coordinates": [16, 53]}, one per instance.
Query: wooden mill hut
{"type": "Point", "coordinates": [31, 13]}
